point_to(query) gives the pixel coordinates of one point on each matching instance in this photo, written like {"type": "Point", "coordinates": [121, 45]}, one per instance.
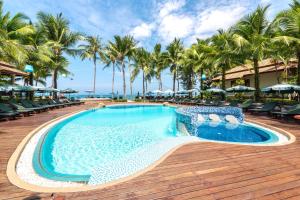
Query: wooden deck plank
{"type": "Point", "coordinates": [194, 171]}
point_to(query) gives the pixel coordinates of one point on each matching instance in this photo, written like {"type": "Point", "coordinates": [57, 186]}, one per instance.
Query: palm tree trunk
{"type": "Point", "coordinates": [143, 86]}
{"type": "Point", "coordinates": [298, 68]}
{"type": "Point", "coordinates": [160, 83]}
{"type": "Point", "coordinates": [201, 83]}
{"type": "Point", "coordinates": [124, 80]}
{"type": "Point", "coordinates": [94, 88]}
{"type": "Point", "coordinates": [256, 79]}
{"type": "Point", "coordinates": [130, 83]}
{"type": "Point", "coordinates": [54, 82]}
{"type": "Point", "coordinates": [113, 82]}
{"type": "Point", "coordinates": [223, 77]}
{"type": "Point", "coordinates": [174, 82]}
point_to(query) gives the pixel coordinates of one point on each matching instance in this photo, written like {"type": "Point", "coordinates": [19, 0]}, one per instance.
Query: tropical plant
{"type": "Point", "coordinates": [62, 40]}
{"type": "Point", "coordinates": [172, 58]}
{"type": "Point", "coordinates": [225, 53]}
{"type": "Point", "coordinates": [92, 50]}
{"type": "Point", "coordinates": [158, 63]}
{"type": "Point", "coordinates": [252, 35]}
{"type": "Point", "coordinates": [141, 62]}
{"type": "Point", "coordinates": [110, 59]}
{"type": "Point", "coordinates": [289, 23]}
{"type": "Point", "coordinates": [13, 29]}
{"type": "Point", "coordinates": [123, 47]}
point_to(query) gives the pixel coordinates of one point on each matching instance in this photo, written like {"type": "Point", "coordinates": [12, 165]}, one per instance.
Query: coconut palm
{"type": "Point", "coordinates": [110, 60]}
{"type": "Point", "coordinates": [172, 58]}
{"type": "Point", "coordinates": [225, 52]}
{"type": "Point", "coordinates": [289, 23]}
{"type": "Point", "coordinates": [123, 47]}
{"type": "Point", "coordinates": [92, 50]}
{"type": "Point", "coordinates": [252, 34]}
{"type": "Point", "coordinates": [141, 63]}
{"type": "Point", "coordinates": [12, 31]}
{"type": "Point", "coordinates": [158, 63]}
{"type": "Point", "coordinates": [62, 40]}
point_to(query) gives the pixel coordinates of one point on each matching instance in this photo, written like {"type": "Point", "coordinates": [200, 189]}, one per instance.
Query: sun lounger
{"type": "Point", "coordinates": [294, 110]}
{"type": "Point", "coordinates": [8, 112]}
{"type": "Point", "coordinates": [266, 108]}
{"type": "Point", "coordinates": [246, 104]}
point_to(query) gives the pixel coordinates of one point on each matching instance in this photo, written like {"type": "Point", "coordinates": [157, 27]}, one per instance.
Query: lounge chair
{"type": "Point", "coordinates": [20, 108]}
{"type": "Point", "coordinates": [28, 104]}
{"type": "Point", "coordinates": [266, 108]}
{"type": "Point", "coordinates": [7, 111]}
{"type": "Point", "coordinates": [246, 104]}
{"type": "Point", "coordinates": [293, 110]}
{"type": "Point", "coordinates": [233, 103]}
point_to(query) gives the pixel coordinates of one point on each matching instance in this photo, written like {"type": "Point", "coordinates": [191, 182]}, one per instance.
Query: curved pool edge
{"type": "Point", "coordinates": [16, 180]}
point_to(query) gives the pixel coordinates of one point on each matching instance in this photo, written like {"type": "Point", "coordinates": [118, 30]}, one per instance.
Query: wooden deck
{"type": "Point", "coordinates": [196, 171]}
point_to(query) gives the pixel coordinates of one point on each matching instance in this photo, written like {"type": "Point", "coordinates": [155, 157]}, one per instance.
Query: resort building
{"type": "Point", "coordinates": [271, 73]}
{"type": "Point", "coordinates": [10, 70]}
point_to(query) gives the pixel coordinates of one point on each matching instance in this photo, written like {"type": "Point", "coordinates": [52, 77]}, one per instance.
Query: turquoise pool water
{"type": "Point", "coordinates": [116, 141]}
{"type": "Point", "coordinates": [74, 147]}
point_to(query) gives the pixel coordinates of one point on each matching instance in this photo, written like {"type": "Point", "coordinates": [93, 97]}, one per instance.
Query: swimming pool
{"type": "Point", "coordinates": [106, 144]}
{"type": "Point", "coordinates": [74, 147]}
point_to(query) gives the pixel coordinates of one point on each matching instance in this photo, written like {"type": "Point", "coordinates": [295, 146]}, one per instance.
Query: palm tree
{"type": "Point", "coordinates": [289, 23]}
{"type": "Point", "coordinates": [172, 58]}
{"type": "Point", "coordinates": [92, 50]}
{"type": "Point", "coordinates": [110, 59]}
{"type": "Point", "coordinates": [123, 47]}
{"type": "Point", "coordinates": [158, 63]}
{"type": "Point", "coordinates": [141, 59]}
{"type": "Point", "coordinates": [252, 34]}
{"type": "Point", "coordinates": [226, 55]}
{"type": "Point", "coordinates": [56, 30]}
{"type": "Point", "coordinates": [13, 29]}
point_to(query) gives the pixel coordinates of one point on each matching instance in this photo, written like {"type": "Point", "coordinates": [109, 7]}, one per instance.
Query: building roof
{"type": "Point", "coordinates": [8, 69]}
{"type": "Point", "coordinates": [265, 66]}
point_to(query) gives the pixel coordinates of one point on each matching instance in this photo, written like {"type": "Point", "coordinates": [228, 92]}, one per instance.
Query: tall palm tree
{"type": "Point", "coordinates": [110, 59]}
{"type": "Point", "coordinates": [289, 23]}
{"type": "Point", "coordinates": [13, 29]}
{"type": "Point", "coordinates": [172, 57]}
{"type": "Point", "coordinates": [226, 54]}
{"type": "Point", "coordinates": [158, 63]}
{"type": "Point", "coordinates": [253, 36]}
{"type": "Point", "coordinates": [57, 32]}
{"type": "Point", "coordinates": [123, 48]}
{"type": "Point", "coordinates": [141, 62]}
{"type": "Point", "coordinates": [92, 50]}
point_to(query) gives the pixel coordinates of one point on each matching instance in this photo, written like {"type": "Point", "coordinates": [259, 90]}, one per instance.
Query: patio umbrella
{"type": "Point", "coordinates": [216, 90]}
{"type": "Point", "coordinates": [19, 88]}
{"type": "Point", "coordinates": [282, 88]}
{"type": "Point", "coordinates": [168, 92]}
{"type": "Point", "coordinates": [240, 88]}
{"type": "Point", "coordinates": [156, 92]}
{"type": "Point", "coordinates": [68, 91]}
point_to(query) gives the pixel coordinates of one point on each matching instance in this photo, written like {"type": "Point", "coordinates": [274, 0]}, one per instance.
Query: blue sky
{"type": "Point", "coordinates": [149, 21]}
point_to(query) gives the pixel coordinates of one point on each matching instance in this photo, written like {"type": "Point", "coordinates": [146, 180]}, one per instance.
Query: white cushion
{"type": "Point", "coordinates": [200, 118]}
{"type": "Point", "coordinates": [231, 119]}
{"type": "Point", "coordinates": [214, 117]}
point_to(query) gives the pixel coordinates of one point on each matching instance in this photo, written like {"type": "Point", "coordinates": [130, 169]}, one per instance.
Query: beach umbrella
{"type": "Point", "coordinates": [240, 88]}
{"type": "Point", "coordinates": [282, 88]}
{"type": "Point", "coordinates": [68, 91]}
{"type": "Point", "coordinates": [216, 90]}
{"type": "Point", "coordinates": [168, 92]}
{"type": "Point", "coordinates": [156, 91]}
{"type": "Point", "coordinates": [19, 88]}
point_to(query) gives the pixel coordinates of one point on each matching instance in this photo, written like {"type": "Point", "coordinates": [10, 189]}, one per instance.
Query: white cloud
{"type": "Point", "coordinates": [211, 20]}
{"type": "Point", "coordinates": [142, 31]}
{"type": "Point", "coordinates": [170, 6]}
{"type": "Point", "coordinates": [173, 25]}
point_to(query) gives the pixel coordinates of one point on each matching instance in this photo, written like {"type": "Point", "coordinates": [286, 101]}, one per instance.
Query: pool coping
{"type": "Point", "coordinates": [14, 178]}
